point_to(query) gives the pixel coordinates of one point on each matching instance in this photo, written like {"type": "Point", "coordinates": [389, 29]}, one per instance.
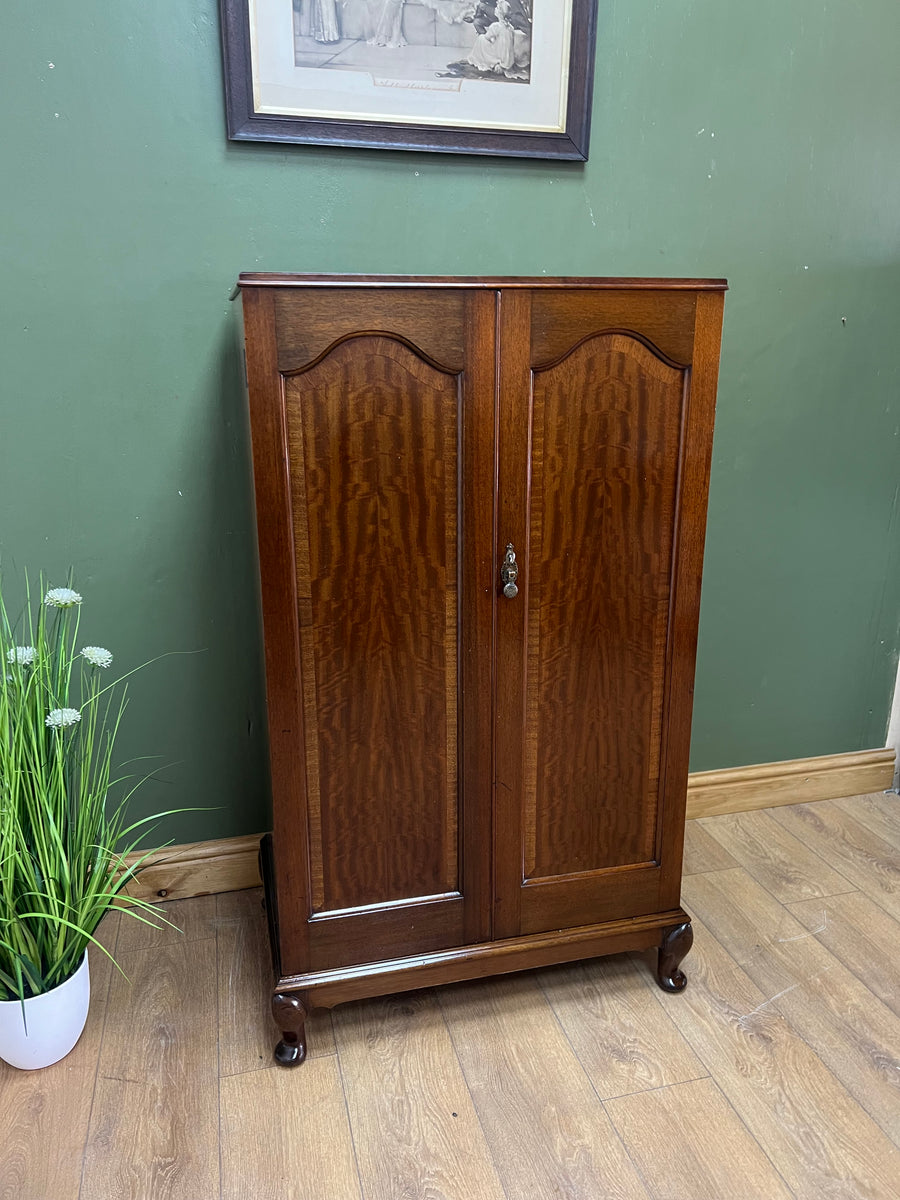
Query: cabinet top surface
{"type": "Point", "coordinates": [265, 279]}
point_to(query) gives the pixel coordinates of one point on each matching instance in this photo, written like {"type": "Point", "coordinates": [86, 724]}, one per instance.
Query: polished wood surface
{"type": "Point", "coordinates": [563, 318]}
{"type": "Point", "coordinates": [715, 1093]}
{"type": "Point", "coordinates": [603, 479]}
{"type": "Point", "coordinates": [604, 463]}
{"type": "Point", "coordinates": [381, 775]}
{"type": "Point", "coordinates": [255, 279]}
{"type": "Point", "coordinates": [405, 436]}
{"type": "Point", "coordinates": [310, 321]}
{"type": "Point", "coordinates": [498, 957]}
{"type": "Point", "coordinates": [372, 442]}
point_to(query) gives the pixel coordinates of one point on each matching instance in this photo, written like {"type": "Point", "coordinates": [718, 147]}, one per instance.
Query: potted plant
{"type": "Point", "coordinates": [67, 848]}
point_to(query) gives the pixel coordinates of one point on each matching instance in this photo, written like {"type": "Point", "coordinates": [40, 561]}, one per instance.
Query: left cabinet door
{"type": "Point", "coordinates": [372, 416]}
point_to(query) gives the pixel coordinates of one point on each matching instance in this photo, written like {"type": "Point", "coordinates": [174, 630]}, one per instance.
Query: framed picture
{"type": "Point", "coordinates": [510, 77]}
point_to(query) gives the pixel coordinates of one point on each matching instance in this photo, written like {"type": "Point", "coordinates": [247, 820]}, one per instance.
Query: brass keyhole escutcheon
{"type": "Point", "coordinates": [509, 573]}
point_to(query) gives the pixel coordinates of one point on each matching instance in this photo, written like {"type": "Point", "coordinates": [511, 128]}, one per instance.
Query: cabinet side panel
{"type": "Point", "coordinates": [374, 459]}
{"type": "Point", "coordinates": [694, 489]}
{"type": "Point", "coordinates": [604, 472]}
{"type": "Point", "coordinates": [290, 890]}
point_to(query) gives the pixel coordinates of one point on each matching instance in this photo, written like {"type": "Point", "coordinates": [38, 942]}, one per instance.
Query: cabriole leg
{"type": "Point", "coordinates": [674, 946]}
{"type": "Point", "coordinates": [290, 1012]}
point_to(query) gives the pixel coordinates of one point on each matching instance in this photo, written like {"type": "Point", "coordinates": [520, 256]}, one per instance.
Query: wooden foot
{"type": "Point", "coordinates": [674, 946]}
{"type": "Point", "coordinates": [290, 1012]}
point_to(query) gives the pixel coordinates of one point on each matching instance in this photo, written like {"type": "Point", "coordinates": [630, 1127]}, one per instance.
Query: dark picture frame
{"type": "Point", "coordinates": [245, 123]}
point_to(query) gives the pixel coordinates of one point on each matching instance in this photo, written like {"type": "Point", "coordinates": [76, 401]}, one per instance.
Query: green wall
{"type": "Point", "coordinates": [754, 141]}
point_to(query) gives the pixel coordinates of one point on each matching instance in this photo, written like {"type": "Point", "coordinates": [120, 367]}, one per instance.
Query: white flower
{"type": "Point", "coordinates": [62, 598]}
{"type": "Point", "coordinates": [59, 718]}
{"type": "Point", "coordinates": [23, 655]}
{"type": "Point", "coordinates": [97, 656]}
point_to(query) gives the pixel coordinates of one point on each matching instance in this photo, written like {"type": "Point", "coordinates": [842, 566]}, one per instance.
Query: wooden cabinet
{"type": "Point", "coordinates": [481, 508]}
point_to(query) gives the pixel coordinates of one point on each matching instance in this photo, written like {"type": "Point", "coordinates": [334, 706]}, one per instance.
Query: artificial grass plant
{"type": "Point", "coordinates": [64, 828]}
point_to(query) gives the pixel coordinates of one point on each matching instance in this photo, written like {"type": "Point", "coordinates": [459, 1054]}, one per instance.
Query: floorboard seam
{"type": "Point", "coordinates": [218, 1066]}
{"type": "Point", "coordinates": [462, 1071]}
{"type": "Point", "coordinates": [593, 1088]}
{"type": "Point", "coordinates": [90, 1120]}
{"type": "Point", "coordinates": [337, 1055]}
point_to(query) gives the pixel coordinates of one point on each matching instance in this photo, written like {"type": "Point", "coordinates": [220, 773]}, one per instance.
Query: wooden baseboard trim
{"type": "Point", "coordinates": [797, 781]}
{"type": "Point", "coordinates": [198, 869]}
{"type": "Point", "coordinates": [231, 864]}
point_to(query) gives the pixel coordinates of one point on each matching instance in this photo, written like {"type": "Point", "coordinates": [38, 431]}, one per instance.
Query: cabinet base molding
{"type": "Point", "coordinates": [230, 864]}
{"type": "Point", "coordinates": [324, 989]}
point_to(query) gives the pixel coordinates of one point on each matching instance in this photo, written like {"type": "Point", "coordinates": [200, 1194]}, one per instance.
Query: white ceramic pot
{"type": "Point", "coordinates": [52, 1023]}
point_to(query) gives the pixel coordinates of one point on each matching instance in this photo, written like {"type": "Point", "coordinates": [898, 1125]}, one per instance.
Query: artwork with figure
{"type": "Point", "coordinates": [417, 40]}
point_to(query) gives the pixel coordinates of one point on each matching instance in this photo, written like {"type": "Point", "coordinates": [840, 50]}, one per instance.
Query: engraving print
{"type": "Point", "coordinates": [418, 44]}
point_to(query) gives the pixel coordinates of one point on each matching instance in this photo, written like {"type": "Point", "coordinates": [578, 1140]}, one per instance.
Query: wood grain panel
{"type": "Point", "coordinates": [414, 1125]}
{"type": "Point", "coordinates": [687, 1141]}
{"type": "Point", "coordinates": [775, 858]}
{"type": "Point", "coordinates": [153, 1126]}
{"type": "Point", "coordinates": [814, 1133]}
{"type": "Point", "coordinates": [561, 319]}
{"type": "Point", "coordinates": [416, 927]}
{"type": "Point", "coordinates": [372, 436]}
{"type": "Point", "coordinates": [624, 1040]}
{"type": "Point", "coordinates": [285, 1136]}
{"type": "Point", "coordinates": [308, 322]}
{"type": "Point", "coordinates": [607, 423]}
{"type": "Point", "coordinates": [44, 1115]}
{"type": "Point", "coordinates": [855, 1035]}
{"type": "Point", "coordinates": [545, 1126]}
{"type": "Point", "coordinates": [590, 896]}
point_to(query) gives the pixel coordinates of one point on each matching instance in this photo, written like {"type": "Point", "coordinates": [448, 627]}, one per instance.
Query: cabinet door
{"type": "Point", "coordinates": [604, 451]}
{"type": "Point", "coordinates": [373, 413]}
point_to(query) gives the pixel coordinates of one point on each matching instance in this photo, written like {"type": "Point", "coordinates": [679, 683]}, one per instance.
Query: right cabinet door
{"type": "Point", "coordinates": [604, 450]}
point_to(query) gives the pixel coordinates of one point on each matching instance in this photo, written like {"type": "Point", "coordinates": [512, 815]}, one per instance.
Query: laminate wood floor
{"type": "Point", "coordinates": [775, 1074]}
